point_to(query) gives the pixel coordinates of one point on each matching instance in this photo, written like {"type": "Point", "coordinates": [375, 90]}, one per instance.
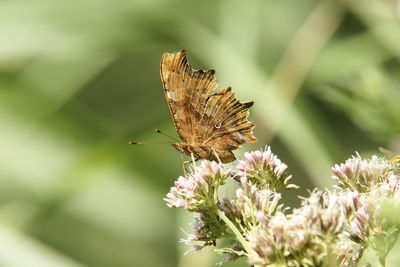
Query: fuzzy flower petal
{"type": "Point", "coordinates": [265, 170]}
{"type": "Point", "coordinates": [361, 174]}
{"type": "Point", "coordinates": [196, 192]}
{"type": "Point", "coordinates": [302, 236]}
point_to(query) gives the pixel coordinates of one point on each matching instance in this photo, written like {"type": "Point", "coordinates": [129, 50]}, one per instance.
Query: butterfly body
{"type": "Point", "coordinates": [204, 152]}
{"type": "Point", "coordinates": [211, 124]}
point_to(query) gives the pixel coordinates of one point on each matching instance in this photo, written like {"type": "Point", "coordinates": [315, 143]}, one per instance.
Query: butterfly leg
{"type": "Point", "coordinates": [193, 159]}
{"type": "Point", "coordinates": [216, 155]}
{"type": "Point", "coordinates": [189, 161]}
{"type": "Point", "coordinates": [186, 162]}
{"type": "Point", "coordinates": [184, 166]}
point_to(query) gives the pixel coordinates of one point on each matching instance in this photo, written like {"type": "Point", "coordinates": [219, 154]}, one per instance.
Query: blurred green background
{"type": "Point", "coordinates": [78, 80]}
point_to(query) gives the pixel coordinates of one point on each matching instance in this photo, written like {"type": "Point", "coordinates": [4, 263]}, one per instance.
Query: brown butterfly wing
{"type": "Point", "coordinates": [203, 118]}
{"type": "Point", "coordinates": [186, 91]}
{"type": "Point", "coordinates": [228, 128]}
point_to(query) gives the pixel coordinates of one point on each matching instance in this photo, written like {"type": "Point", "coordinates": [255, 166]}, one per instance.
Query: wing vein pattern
{"type": "Point", "coordinates": [202, 116]}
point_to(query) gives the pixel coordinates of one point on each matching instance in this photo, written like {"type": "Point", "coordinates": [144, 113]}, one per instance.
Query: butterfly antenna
{"type": "Point", "coordinates": [148, 143]}
{"type": "Point", "coordinates": [167, 135]}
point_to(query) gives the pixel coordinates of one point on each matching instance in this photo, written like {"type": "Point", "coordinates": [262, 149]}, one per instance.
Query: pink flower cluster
{"type": "Point", "coordinates": [196, 191]}
{"type": "Point", "coordinates": [265, 170]}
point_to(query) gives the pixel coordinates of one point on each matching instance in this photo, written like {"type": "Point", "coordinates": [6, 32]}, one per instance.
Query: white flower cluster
{"type": "Point", "coordinates": [360, 174]}
{"type": "Point", "coordinates": [330, 228]}
{"type": "Point", "coordinates": [196, 191]}
{"type": "Point", "coordinates": [300, 238]}
{"type": "Point", "coordinates": [265, 169]}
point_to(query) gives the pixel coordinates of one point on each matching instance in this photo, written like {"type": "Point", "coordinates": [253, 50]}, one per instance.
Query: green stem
{"type": "Point", "coordinates": [382, 261]}
{"type": "Point", "coordinates": [232, 227]}
{"type": "Point", "coordinates": [237, 233]}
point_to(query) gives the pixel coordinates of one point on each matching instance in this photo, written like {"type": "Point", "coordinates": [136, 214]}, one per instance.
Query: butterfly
{"type": "Point", "coordinates": [210, 123]}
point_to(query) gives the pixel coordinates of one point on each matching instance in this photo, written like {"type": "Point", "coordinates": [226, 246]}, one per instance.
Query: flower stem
{"type": "Point", "coordinates": [382, 261]}
{"type": "Point", "coordinates": [237, 233]}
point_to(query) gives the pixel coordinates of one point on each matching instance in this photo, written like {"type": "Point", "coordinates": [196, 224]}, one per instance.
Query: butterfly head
{"type": "Point", "coordinates": [182, 147]}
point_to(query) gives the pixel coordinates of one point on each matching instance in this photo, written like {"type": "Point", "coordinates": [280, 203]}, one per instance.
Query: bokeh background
{"type": "Point", "coordinates": [79, 79]}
